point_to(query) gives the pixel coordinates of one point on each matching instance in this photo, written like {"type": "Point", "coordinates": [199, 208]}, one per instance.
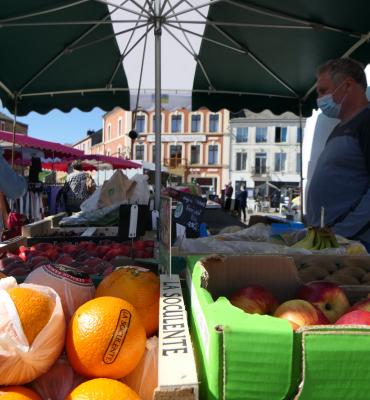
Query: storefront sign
{"type": "Point", "coordinates": [189, 212]}
{"type": "Point", "coordinates": [178, 138]}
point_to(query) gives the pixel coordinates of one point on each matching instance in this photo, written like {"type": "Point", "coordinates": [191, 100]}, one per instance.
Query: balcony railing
{"type": "Point", "coordinates": [175, 162]}
{"type": "Point", "coordinates": [261, 171]}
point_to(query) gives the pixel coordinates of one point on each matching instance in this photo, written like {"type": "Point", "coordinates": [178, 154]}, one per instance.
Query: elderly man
{"type": "Point", "coordinates": [341, 180]}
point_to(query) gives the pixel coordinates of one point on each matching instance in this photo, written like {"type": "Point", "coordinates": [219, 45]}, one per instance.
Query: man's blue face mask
{"type": "Point", "coordinates": [328, 106]}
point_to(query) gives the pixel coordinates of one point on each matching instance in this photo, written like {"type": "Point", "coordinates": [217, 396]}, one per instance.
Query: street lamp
{"type": "Point", "coordinates": [133, 136]}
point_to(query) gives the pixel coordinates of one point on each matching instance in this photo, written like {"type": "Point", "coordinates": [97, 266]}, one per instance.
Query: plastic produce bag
{"type": "Point", "coordinates": [140, 193]}
{"type": "Point", "coordinates": [56, 383]}
{"type": "Point", "coordinates": [73, 286]}
{"type": "Point", "coordinates": [116, 190]}
{"type": "Point", "coordinates": [91, 203]}
{"type": "Point", "coordinates": [144, 378]}
{"type": "Point", "coordinates": [20, 362]}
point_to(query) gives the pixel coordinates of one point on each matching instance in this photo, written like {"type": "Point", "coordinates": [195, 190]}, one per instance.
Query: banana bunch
{"type": "Point", "coordinates": [317, 239]}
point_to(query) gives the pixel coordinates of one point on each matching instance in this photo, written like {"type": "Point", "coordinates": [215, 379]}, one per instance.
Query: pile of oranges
{"type": "Point", "coordinates": [105, 338]}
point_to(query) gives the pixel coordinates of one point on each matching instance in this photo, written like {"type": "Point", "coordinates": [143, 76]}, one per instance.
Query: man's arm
{"type": "Point", "coordinates": [11, 184]}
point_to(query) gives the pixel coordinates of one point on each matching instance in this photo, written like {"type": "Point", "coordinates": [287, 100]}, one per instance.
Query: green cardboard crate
{"type": "Point", "coordinates": [244, 356]}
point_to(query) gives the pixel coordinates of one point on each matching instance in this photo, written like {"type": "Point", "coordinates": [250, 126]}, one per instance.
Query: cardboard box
{"type": "Point", "coordinates": [177, 376]}
{"type": "Point", "coordinates": [249, 356]}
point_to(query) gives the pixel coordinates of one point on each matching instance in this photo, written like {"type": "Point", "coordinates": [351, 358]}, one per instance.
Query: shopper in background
{"type": "Point", "coordinates": [78, 187]}
{"type": "Point", "coordinates": [341, 180]}
{"type": "Point", "coordinates": [229, 190]}
{"type": "Point", "coordinates": [11, 184]}
{"type": "Point", "coordinates": [243, 202]}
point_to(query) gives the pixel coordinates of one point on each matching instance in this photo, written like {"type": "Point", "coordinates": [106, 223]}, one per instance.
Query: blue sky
{"type": "Point", "coordinates": [60, 127]}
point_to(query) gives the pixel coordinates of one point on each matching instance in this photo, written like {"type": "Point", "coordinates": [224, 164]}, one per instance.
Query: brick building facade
{"type": "Point", "coordinates": [195, 145]}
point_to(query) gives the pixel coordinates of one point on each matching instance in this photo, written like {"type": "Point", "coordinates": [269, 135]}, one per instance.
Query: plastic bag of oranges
{"type": "Point", "coordinates": [32, 331]}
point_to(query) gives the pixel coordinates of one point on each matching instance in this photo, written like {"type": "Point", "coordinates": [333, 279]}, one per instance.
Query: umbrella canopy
{"type": "Point", "coordinates": [259, 54]}
{"type": "Point", "coordinates": [264, 54]}
{"type": "Point", "coordinates": [59, 55]}
{"type": "Point", "coordinates": [50, 149]}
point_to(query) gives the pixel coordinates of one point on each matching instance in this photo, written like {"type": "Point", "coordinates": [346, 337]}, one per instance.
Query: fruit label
{"type": "Point", "coordinates": [71, 274]}
{"type": "Point", "coordinates": [118, 337]}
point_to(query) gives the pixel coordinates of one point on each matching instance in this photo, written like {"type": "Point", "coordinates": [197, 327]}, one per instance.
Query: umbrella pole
{"type": "Point", "coordinates": [14, 127]}
{"type": "Point", "coordinates": [157, 36]}
{"type": "Point", "coordinates": [300, 149]}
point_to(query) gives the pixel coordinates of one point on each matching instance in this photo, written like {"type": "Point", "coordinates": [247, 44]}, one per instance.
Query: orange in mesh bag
{"type": "Point", "coordinates": [74, 286]}
{"type": "Point", "coordinates": [32, 331]}
{"type": "Point", "coordinates": [18, 393]}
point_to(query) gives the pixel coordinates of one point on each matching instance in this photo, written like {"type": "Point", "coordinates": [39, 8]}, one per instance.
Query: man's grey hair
{"type": "Point", "coordinates": [341, 68]}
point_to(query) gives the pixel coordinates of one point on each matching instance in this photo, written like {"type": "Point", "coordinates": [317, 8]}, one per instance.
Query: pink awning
{"type": "Point", "coordinates": [51, 149]}
{"type": "Point", "coordinates": [116, 162]}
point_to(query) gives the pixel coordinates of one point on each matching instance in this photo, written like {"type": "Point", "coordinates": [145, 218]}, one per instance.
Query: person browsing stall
{"type": "Point", "coordinates": [12, 185]}
{"type": "Point", "coordinates": [341, 179]}
{"type": "Point", "coordinates": [77, 187]}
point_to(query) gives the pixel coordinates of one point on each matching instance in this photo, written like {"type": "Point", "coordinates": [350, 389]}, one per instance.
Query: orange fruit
{"type": "Point", "coordinates": [138, 286]}
{"type": "Point", "coordinates": [34, 309]}
{"type": "Point", "coordinates": [18, 393]}
{"type": "Point", "coordinates": [102, 389]}
{"type": "Point", "coordinates": [105, 338]}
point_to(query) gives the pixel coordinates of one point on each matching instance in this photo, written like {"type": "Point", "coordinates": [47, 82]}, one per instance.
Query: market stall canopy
{"type": "Point", "coordinates": [93, 162]}
{"type": "Point", "coordinates": [59, 55]}
{"type": "Point", "coordinates": [115, 162]}
{"type": "Point", "coordinates": [50, 149]}
{"type": "Point", "coordinates": [264, 54]}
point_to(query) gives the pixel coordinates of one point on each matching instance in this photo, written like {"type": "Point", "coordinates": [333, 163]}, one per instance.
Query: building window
{"type": "Point", "coordinates": [119, 133]}
{"type": "Point", "coordinates": [176, 123]}
{"type": "Point", "coordinates": [139, 152]}
{"type": "Point", "coordinates": [241, 135]}
{"type": "Point", "coordinates": [298, 163]}
{"type": "Point", "coordinates": [212, 154]}
{"type": "Point", "coordinates": [175, 155]}
{"type": "Point", "coordinates": [2, 125]}
{"type": "Point", "coordinates": [195, 154]}
{"type": "Point", "coordinates": [280, 162]}
{"type": "Point", "coordinates": [153, 153]}
{"type": "Point", "coordinates": [195, 123]}
{"type": "Point", "coordinates": [140, 123]}
{"type": "Point", "coordinates": [281, 134]}
{"type": "Point", "coordinates": [241, 161]}
{"type": "Point", "coordinates": [109, 132]}
{"type": "Point", "coordinates": [260, 165]}
{"type": "Point", "coordinates": [261, 135]}
{"type": "Point", "coordinates": [154, 124]}
{"type": "Point", "coordinates": [299, 135]}
{"type": "Point", "coordinates": [213, 122]}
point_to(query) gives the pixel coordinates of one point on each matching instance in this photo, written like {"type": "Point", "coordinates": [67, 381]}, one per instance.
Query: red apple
{"type": "Point", "coordinates": [65, 259]}
{"type": "Point", "coordinates": [300, 313]}
{"type": "Point", "coordinates": [356, 317]}
{"type": "Point", "coordinates": [254, 300]}
{"type": "Point", "coordinates": [363, 305]}
{"type": "Point", "coordinates": [327, 296]}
